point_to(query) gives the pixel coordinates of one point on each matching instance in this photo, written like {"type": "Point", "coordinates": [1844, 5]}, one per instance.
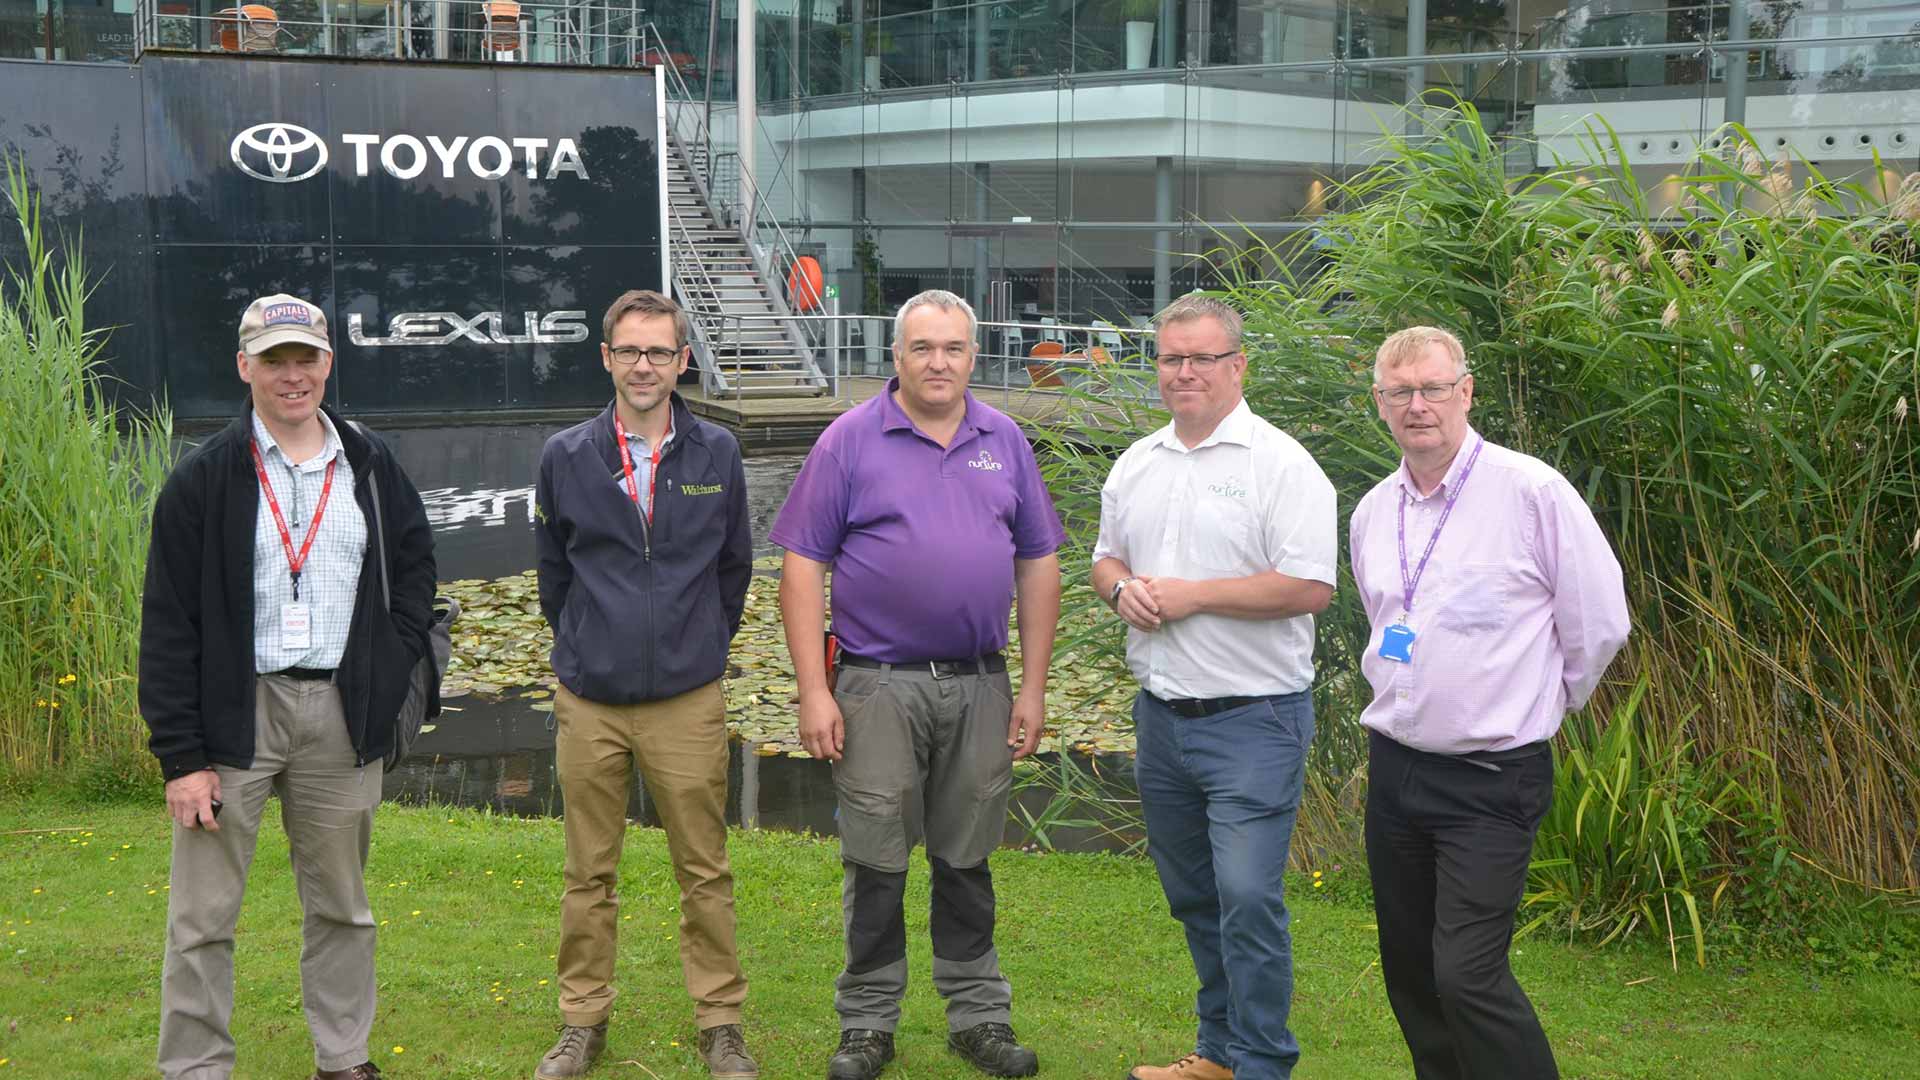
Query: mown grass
{"type": "Point", "coordinates": [468, 902]}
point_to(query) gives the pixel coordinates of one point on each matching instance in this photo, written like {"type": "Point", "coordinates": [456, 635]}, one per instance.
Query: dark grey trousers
{"type": "Point", "coordinates": [924, 758]}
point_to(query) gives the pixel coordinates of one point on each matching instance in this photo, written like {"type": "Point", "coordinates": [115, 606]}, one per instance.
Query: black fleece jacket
{"type": "Point", "coordinates": [196, 617]}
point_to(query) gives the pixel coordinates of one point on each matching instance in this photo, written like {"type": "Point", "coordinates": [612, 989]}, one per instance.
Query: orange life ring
{"type": "Point", "coordinates": [805, 283]}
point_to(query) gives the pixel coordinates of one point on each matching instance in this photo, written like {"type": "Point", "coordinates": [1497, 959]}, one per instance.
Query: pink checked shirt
{"type": "Point", "coordinates": [1519, 611]}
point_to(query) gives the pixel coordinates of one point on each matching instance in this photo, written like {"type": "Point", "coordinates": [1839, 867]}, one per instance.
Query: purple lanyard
{"type": "Point", "coordinates": [1410, 582]}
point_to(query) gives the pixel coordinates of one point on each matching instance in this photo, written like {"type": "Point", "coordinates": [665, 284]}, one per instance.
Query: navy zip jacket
{"type": "Point", "coordinates": [196, 614]}
{"type": "Point", "coordinates": [642, 611]}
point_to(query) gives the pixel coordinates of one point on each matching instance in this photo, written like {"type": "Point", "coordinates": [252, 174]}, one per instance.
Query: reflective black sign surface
{"type": "Point", "coordinates": [464, 227]}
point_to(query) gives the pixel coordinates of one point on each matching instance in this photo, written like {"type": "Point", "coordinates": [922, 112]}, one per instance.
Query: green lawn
{"type": "Point", "coordinates": [468, 906]}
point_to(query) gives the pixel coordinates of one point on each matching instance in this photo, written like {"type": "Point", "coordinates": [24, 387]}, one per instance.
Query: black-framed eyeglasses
{"type": "Point", "coordinates": [629, 355]}
{"type": "Point", "coordinates": [1200, 362]}
{"type": "Point", "coordinates": [1401, 396]}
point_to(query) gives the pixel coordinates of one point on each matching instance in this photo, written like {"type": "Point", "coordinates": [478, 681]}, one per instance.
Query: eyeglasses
{"type": "Point", "coordinates": [629, 355]}
{"type": "Point", "coordinates": [1200, 362]}
{"type": "Point", "coordinates": [1401, 396]}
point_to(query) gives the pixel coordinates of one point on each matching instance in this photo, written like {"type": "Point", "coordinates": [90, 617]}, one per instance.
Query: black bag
{"type": "Point", "coordinates": [426, 673]}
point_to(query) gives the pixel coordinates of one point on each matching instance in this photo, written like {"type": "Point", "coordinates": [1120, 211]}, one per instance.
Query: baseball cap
{"type": "Point", "coordinates": [279, 319]}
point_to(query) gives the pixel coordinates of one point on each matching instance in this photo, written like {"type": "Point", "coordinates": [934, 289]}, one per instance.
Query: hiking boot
{"type": "Point", "coordinates": [366, 1070]}
{"type": "Point", "coordinates": [1191, 1067]}
{"type": "Point", "coordinates": [725, 1050]}
{"type": "Point", "coordinates": [573, 1054]}
{"type": "Point", "coordinates": [862, 1054]}
{"type": "Point", "coordinates": [992, 1049]}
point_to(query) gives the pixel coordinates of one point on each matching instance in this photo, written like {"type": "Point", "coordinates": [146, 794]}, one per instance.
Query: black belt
{"type": "Point", "coordinates": [1195, 708]}
{"type": "Point", "coordinates": [990, 664]}
{"type": "Point", "coordinates": [305, 674]}
{"type": "Point", "coordinates": [1490, 760]}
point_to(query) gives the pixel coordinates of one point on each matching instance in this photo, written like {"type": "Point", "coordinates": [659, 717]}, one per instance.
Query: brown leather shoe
{"type": "Point", "coordinates": [366, 1070]}
{"type": "Point", "coordinates": [1191, 1067]}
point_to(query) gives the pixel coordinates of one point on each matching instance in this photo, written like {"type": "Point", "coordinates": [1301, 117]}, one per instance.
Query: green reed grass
{"type": "Point", "coordinates": [75, 497]}
{"type": "Point", "coordinates": [1731, 388]}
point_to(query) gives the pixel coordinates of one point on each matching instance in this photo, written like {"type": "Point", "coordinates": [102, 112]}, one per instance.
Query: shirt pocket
{"type": "Point", "coordinates": [1478, 598]}
{"type": "Point", "coordinates": [1222, 537]}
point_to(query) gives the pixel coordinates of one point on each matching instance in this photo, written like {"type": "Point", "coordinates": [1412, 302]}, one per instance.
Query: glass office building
{"type": "Point", "coordinates": [1051, 157]}
{"type": "Point", "coordinates": [1070, 157]}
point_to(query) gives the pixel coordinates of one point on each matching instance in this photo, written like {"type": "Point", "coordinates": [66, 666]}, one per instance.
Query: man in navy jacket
{"type": "Point", "coordinates": [272, 661]}
{"type": "Point", "coordinates": [645, 555]}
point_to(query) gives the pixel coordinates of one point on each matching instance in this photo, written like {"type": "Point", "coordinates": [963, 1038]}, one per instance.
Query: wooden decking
{"type": "Point", "coordinates": [767, 423]}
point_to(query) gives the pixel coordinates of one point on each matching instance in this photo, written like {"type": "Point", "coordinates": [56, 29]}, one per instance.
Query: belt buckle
{"type": "Point", "coordinates": [933, 668]}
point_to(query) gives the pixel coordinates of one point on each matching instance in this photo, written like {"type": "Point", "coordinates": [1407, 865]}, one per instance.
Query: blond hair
{"type": "Point", "coordinates": [1200, 306]}
{"type": "Point", "coordinates": [1403, 347]}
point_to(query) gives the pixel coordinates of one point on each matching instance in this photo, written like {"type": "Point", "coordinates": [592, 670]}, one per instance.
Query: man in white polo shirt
{"type": "Point", "coordinates": [1217, 542]}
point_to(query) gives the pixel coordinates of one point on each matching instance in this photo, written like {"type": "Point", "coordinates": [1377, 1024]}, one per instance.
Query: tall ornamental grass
{"type": "Point", "coordinates": [75, 498]}
{"type": "Point", "coordinates": [1730, 385]}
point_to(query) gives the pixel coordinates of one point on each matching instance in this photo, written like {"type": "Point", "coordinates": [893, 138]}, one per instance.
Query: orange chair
{"type": "Point", "coordinates": [1042, 374]}
{"type": "Point", "coordinates": [503, 26]}
{"type": "Point", "coordinates": [248, 28]}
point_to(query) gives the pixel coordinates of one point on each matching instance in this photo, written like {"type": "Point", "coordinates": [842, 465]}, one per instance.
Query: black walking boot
{"type": "Point", "coordinates": [862, 1054]}
{"type": "Point", "coordinates": [993, 1050]}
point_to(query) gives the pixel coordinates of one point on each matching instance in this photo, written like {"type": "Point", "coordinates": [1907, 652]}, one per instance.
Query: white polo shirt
{"type": "Point", "coordinates": [1247, 499]}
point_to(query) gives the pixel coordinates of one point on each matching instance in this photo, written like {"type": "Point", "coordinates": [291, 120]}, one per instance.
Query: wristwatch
{"type": "Point", "coordinates": [1113, 598]}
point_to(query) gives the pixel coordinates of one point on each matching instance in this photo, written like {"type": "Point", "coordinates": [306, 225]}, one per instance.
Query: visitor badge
{"type": "Point", "coordinates": [296, 626]}
{"type": "Point", "coordinates": [1396, 643]}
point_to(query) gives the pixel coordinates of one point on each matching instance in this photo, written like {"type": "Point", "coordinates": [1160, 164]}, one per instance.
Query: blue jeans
{"type": "Point", "coordinates": [1220, 794]}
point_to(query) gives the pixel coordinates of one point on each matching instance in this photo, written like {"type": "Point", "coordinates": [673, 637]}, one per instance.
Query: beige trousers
{"type": "Point", "coordinates": [680, 746]}
{"type": "Point", "coordinates": [302, 754]}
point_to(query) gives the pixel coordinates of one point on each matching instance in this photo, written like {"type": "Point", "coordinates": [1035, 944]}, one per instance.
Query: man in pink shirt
{"type": "Point", "coordinates": [1496, 606]}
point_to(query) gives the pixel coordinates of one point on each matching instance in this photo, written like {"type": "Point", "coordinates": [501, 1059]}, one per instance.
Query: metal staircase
{"type": "Point", "coordinates": [746, 341]}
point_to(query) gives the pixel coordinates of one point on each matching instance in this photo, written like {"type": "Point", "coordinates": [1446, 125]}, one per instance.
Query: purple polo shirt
{"type": "Point", "coordinates": [921, 538]}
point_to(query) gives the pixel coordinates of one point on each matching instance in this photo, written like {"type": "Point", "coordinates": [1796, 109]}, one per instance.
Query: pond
{"type": "Point", "coordinates": [492, 746]}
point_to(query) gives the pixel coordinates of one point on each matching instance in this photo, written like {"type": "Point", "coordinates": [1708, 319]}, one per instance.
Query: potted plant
{"type": "Point", "coordinates": [1139, 17]}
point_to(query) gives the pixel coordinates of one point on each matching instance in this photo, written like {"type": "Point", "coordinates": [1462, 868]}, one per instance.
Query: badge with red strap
{"type": "Point", "coordinates": [626, 463]}
{"type": "Point", "coordinates": [296, 618]}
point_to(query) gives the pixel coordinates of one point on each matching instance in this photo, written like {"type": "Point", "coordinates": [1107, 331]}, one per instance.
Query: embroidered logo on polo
{"type": "Point", "coordinates": [700, 489]}
{"type": "Point", "coordinates": [985, 461]}
{"type": "Point", "coordinates": [1230, 487]}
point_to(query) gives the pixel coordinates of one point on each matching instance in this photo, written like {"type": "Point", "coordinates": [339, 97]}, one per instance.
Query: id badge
{"type": "Point", "coordinates": [1396, 643]}
{"type": "Point", "coordinates": [296, 626]}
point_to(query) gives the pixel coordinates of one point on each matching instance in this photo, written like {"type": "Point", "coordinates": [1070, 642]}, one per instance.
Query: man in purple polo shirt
{"type": "Point", "coordinates": [929, 508]}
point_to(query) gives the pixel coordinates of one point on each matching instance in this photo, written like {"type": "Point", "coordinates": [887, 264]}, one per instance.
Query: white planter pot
{"type": "Point", "coordinates": [872, 72]}
{"type": "Point", "coordinates": [1139, 45]}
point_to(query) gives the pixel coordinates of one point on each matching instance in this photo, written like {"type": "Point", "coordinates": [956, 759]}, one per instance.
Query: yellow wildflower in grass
{"type": "Point", "coordinates": [543, 982]}
{"type": "Point", "coordinates": [399, 1049]}
{"type": "Point", "coordinates": [416, 911]}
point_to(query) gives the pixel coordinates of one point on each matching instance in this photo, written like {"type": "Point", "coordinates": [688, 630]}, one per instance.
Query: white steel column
{"type": "Point", "coordinates": [745, 58]}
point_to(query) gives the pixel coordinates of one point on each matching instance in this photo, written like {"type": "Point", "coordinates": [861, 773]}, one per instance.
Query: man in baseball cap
{"type": "Point", "coordinates": [274, 661]}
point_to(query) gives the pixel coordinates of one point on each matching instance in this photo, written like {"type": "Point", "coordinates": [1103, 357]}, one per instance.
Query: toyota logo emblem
{"type": "Point", "coordinates": [281, 147]}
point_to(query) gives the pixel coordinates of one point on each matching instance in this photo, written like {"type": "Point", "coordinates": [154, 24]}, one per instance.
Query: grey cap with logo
{"type": "Point", "coordinates": [282, 319]}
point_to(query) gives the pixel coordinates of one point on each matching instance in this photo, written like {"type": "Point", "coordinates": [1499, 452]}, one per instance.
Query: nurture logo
{"type": "Point", "coordinates": [985, 461]}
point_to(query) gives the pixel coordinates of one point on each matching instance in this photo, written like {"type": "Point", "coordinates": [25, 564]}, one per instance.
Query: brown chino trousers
{"type": "Point", "coordinates": [680, 746]}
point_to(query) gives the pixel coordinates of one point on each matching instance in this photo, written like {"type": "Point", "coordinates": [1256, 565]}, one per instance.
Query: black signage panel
{"type": "Point", "coordinates": [607, 191]}
{"type": "Point", "coordinates": [421, 328]}
{"type": "Point", "coordinates": [237, 150]}
{"type": "Point", "coordinates": [418, 155]}
{"type": "Point", "coordinates": [202, 290]}
{"type": "Point", "coordinates": [79, 131]}
{"type": "Point", "coordinates": [463, 226]}
{"type": "Point", "coordinates": [564, 284]}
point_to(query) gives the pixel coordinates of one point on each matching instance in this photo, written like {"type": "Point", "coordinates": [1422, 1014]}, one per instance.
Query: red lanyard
{"type": "Point", "coordinates": [294, 562]}
{"type": "Point", "coordinates": [626, 463]}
